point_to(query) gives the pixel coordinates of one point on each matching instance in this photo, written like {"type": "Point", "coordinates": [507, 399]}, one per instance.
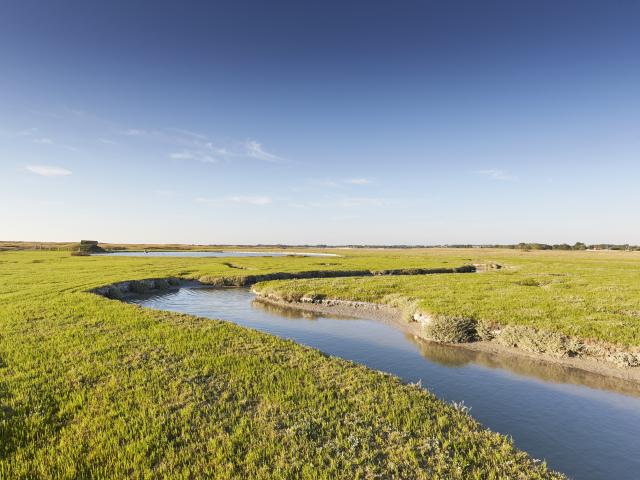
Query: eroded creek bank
{"type": "Point", "coordinates": [510, 340]}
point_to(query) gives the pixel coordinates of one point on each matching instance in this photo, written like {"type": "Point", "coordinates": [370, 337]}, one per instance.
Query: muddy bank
{"type": "Point", "coordinates": [603, 362]}
{"type": "Point", "coordinates": [122, 290]}
{"type": "Point", "coordinates": [248, 280]}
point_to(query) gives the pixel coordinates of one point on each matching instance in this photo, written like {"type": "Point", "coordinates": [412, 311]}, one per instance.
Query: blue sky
{"type": "Point", "coordinates": [414, 122]}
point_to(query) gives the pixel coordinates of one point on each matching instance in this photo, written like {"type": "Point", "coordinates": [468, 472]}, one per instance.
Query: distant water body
{"type": "Point", "coordinates": [190, 253]}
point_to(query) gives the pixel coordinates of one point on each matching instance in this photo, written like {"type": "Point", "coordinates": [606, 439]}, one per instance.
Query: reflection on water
{"type": "Point", "coordinates": [291, 313]}
{"type": "Point", "coordinates": [583, 424]}
{"type": "Point", "coordinates": [452, 356]}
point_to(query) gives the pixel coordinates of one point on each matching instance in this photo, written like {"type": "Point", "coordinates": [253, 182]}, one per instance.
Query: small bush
{"type": "Point", "coordinates": [624, 359]}
{"type": "Point", "coordinates": [292, 296]}
{"type": "Point", "coordinates": [314, 297]}
{"type": "Point", "coordinates": [408, 306]}
{"type": "Point", "coordinates": [452, 329]}
{"type": "Point", "coordinates": [538, 341]}
{"type": "Point", "coordinates": [484, 331]}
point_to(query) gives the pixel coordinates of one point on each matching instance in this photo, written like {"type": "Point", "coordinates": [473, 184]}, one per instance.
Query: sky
{"type": "Point", "coordinates": [333, 122]}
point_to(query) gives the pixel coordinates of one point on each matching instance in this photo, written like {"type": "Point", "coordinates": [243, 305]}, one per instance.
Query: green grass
{"type": "Point", "coordinates": [95, 388]}
{"type": "Point", "coordinates": [588, 295]}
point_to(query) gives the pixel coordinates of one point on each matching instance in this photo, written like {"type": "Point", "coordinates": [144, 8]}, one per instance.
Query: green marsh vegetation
{"type": "Point", "coordinates": [592, 296]}
{"type": "Point", "coordinates": [95, 388]}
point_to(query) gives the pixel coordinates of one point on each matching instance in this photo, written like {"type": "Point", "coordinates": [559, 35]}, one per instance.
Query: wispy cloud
{"type": "Point", "coordinates": [48, 170]}
{"type": "Point", "coordinates": [359, 181]}
{"type": "Point", "coordinates": [46, 114]}
{"type": "Point", "coordinates": [133, 132]}
{"type": "Point", "coordinates": [251, 200]}
{"type": "Point", "coordinates": [326, 183]}
{"type": "Point", "coordinates": [258, 200]}
{"type": "Point", "coordinates": [27, 132]}
{"type": "Point", "coordinates": [189, 145]}
{"type": "Point", "coordinates": [190, 155]}
{"type": "Point", "coordinates": [344, 202]}
{"type": "Point", "coordinates": [332, 183]}
{"type": "Point", "coordinates": [255, 150]}
{"type": "Point", "coordinates": [189, 133]}
{"type": "Point", "coordinates": [200, 149]}
{"type": "Point", "coordinates": [496, 174]}
{"type": "Point", "coordinates": [33, 135]}
{"type": "Point", "coordinates": [349, 202]}
{"type": "Point", "coordinates": [49, 141]}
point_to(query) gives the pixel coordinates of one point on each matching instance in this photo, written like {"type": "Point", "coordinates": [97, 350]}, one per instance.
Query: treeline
{"type": "Point", "coordinates": [556, 246]}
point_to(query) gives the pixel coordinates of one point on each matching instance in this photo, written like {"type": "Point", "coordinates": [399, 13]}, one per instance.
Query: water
{"type": "Point", "coordinates": [582, 424]}
{"type": "Point", "coordinates": [191, 253]}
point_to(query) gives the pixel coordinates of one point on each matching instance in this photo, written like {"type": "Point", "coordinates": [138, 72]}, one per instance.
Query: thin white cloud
{"type": "Point", "coordinates": [33, 134]}
{"type": "Point", "coordinates": [251, 200]}
{"type": "Point", "coordinates": [190, 155]}
{"type": "Point", "coordinates": [255, 150]}
{"type": "Point", "coordinates": [349, 202]}
{"type": "Point", "coordinates": [49, 141]}
{"type": "Point", "coordinates": [358, 181]}
{"type": "Point", "coordinates": [236, 199]}
{"type": "Point", "coordinates": [48, 170]}
{"type": "Point", "coordinates": [331, 183]}
{"type": "Point", "coordinates": [496, 174]}
{"type": "Point", "coordinates": [27, 132]}
{"type": "Point", "coordinates": [344, 202]}
{"type": "Point", "coordinates": [133, 132]}
{"type": "Point", "coordinates": [46, 114]}
{"type": "Point", "coordinates": [189, 133]}
{"type": "Point", "coordinates": [181, 156]}
{"type": "Point", "coordinates": [106, 141]}
{"type": "Point", "coordinates": [326, 183]}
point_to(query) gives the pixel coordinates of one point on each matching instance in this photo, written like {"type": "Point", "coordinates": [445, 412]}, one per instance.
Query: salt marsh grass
{"type": "Point", "coordinates": [95, 388]}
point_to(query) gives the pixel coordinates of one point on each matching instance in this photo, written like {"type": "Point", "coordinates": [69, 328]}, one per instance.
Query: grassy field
{"type": "Point", "coordinates": [95, 388]}
{"type": "Point", "coordinates": [588, 295]}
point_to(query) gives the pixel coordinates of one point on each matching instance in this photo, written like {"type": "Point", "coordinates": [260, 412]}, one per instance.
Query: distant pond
{"type": "Point", "coordinates": [229, 253]}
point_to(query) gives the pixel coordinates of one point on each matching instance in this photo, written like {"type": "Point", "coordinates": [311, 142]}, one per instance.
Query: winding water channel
{"type": "Point", "coordinates": [582, 424]}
